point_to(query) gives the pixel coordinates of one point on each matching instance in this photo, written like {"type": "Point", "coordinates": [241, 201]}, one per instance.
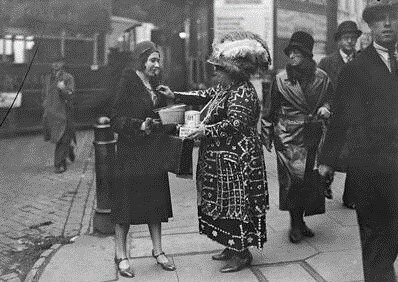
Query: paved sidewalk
{"type": "Point", "coordinates": [332, 255]}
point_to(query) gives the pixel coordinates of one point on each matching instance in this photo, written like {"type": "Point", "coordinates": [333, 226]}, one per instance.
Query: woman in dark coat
{"type": "Point", "coordinates": [141, 193]}
{"type": "Point", "coordinates": [300, 102]}
{"type": "Point", "coordinates": [231, 174]}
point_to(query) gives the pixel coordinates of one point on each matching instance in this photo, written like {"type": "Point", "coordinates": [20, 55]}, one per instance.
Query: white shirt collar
{"type": "Point", "coordinates": [383, 53]}
{"type": "Point", "coordinates": [344, 56]}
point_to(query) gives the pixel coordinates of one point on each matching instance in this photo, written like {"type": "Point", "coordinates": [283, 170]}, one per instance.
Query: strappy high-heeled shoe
{"type": "Point", "coordinates": [128, 272]}
{"type": "Point", "coordinates": [169, 266]}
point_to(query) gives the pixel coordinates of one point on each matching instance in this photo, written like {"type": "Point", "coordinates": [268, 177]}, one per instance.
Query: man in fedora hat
{"type": "Point", "coordinates": [346, 37]}
{"type": "Point", "coordinates": [366, 101]}
{"type": "Point", "coordinates": [58, 90]}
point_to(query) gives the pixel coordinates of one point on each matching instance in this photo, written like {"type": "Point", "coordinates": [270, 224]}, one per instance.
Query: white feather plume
{"type": "Point", "coordinates": [240, 48]}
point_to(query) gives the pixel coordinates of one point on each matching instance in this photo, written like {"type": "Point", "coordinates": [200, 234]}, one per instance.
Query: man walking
{"type": "Point", "coordinates": [346, 37]}
{"type": "Point", "coordinates": [367, 102]}
{"type": "Point", "coordinates": [58, 125]}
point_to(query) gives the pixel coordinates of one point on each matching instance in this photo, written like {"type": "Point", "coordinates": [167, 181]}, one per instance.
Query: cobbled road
{"type": "Point", "coordinates": [37, 203]}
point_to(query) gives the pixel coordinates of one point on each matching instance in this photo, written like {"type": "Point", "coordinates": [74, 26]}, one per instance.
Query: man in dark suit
{"type": "Point", "coordinates": [367, 102]}
{"type": "Point", "coordinates": [346, 37]}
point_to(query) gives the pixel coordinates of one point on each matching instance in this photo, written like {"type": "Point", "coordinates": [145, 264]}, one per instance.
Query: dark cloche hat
{"type": "Point", "coordinates": [375, 7]}
{"type": "Point", "coordinates": [302, 41]}
{"type": "Point", "coordinates": [143, 47]}
{"type": "Point", "coordinates": [347, 27]}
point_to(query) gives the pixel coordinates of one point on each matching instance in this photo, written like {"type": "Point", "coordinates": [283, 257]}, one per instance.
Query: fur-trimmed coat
{"type": "Point", "coordinates": [290, 109]}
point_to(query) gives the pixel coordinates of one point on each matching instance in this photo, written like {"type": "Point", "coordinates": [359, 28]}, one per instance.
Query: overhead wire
{"type": "Point", "coordinates": [23, 81]}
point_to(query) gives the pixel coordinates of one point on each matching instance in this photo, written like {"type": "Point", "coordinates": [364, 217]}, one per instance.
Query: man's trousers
{"type": "Point", "coordinates": [376, 194]}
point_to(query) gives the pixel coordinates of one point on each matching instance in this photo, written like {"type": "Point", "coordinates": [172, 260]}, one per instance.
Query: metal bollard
{"type": "Point", "coordinates": [105, 149]}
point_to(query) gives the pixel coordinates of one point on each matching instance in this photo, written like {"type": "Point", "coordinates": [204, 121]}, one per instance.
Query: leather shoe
{"type": "Point", "coordinates": [226, 254]}
{"type": "Point", "coordinates": [237, 263]}
{"type": "Point", "coordinates": [60, 169]}
{"type": "Point", "coordinates": [72, 155]}
{"type": "Point", "coordinates": [125, 272]}
{"type": "Point", "coordinates": [306, 231]}
{"type": "Point", "coordinates": [169, 266]}
{"type": "Point", "coordinates": [295, 235]}
{"type": "Point", "coordinates": [328, 193]}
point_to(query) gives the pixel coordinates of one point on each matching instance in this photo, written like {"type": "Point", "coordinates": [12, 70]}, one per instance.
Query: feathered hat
{"type": "Point", "coordinates": [241, 52]}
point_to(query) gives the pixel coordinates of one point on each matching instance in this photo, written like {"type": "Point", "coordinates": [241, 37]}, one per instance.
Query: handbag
{"type": "Point", "coordinates": [177, 155]}
{"type": "Point", "coordinates": [315, 201]}
{"type": "Point", "coordinates": [314, 186]}
{"type": "Point", "coordinates": [312, 132]}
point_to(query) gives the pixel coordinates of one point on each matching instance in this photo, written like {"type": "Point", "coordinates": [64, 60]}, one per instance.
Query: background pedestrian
{"type": "Point", "coordinates": [58, 126]}
{"type": "Point", "coordinates": [346, 36]}
{"type": "Point", "coordinates": [300, 100]}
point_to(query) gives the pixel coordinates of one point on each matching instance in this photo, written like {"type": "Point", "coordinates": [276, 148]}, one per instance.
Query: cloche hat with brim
{"type": "Point", "coordinates": [302, 41]}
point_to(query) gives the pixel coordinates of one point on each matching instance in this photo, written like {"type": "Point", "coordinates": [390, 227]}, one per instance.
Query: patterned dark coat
{"type": "Point", "coordinates": [284, 125]}
{"type": "Point", "coordinates": [231, 173]}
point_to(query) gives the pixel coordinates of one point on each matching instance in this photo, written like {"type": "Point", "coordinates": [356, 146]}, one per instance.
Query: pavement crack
{"type": "Point", "coordinates": [36, 226]}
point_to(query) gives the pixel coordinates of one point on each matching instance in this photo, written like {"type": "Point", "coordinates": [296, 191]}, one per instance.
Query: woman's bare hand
{"type": "Point", "coordinates": [165, 90]}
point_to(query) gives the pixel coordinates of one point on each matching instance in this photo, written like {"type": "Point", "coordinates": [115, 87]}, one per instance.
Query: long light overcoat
{"type": "Point", "coordinates": [284, 125]}
{"type": "Point", "coordinates": [58, 106]}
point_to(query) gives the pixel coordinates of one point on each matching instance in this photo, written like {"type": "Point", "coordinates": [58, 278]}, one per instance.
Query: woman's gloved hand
{"type": "Point", "coordinates": [147, 125]}
{"type": "Point", "coordinates": [323, 112]}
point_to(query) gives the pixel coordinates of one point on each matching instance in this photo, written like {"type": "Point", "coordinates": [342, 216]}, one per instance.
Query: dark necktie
{"type": "Point", "coordinates": [393, 62]}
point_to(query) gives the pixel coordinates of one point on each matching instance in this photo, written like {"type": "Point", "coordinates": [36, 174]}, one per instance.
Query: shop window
{"type": "Point", "coordinates": [16, 48]}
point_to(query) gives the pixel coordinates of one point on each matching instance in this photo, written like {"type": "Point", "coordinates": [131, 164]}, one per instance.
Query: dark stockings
{"type": "Point", "coordinates": [296, 217]}
{"type": "Point", "coordinates": [297, 222]}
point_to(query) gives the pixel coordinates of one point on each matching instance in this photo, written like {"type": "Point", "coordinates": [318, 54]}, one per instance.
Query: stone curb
{"type": "Point", "coordinates": [11, 277]}
{"type": "Point", "coordinates": [44, 257]}
{"type": "Point", "coordinates": [34, 274]}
